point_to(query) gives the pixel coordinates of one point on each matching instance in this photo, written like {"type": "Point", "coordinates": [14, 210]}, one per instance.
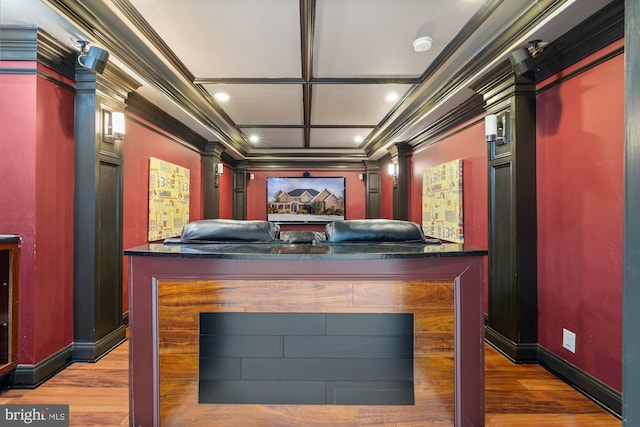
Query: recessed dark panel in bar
{"type": "Point", "coordinates": [306, 358]}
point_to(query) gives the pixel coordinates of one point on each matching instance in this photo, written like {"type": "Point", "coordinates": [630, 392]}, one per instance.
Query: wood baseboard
{"type": "Point", "coordinates": [594, 389]}
{"type": "Point", "coordinates": [516, 352]}
{"type": "Point", "coordinates": [31, 376]}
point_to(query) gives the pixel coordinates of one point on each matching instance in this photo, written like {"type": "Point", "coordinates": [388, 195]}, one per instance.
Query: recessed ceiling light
{"type": "Point", "coordinates": [254, 138]}
{"type": "Point", "coordinates": [221, 96]}
{"type": "Point", "coordinates": [392, 96]}
{"type": "Point", "coordinates": [358, 139]}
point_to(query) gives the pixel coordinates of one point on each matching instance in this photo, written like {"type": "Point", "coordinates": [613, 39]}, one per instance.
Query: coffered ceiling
{"type": "Point", "coordinates": [309, 79]}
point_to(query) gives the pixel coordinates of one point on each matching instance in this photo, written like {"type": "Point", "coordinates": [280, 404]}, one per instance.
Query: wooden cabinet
{"type": "Point", "coordinates": [9, 255]}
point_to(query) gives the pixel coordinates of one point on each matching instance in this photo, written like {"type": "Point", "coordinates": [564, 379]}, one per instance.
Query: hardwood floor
{"type": "Point", "coordinates": [516, 395]}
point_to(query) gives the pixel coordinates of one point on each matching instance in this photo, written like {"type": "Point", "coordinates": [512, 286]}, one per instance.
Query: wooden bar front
{"type": "Point", "coordinates": [167, 293]}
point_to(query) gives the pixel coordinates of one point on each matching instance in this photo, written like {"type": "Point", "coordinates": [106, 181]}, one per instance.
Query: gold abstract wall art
{"type": "Point", "coordinates": [168, 199]}
{"type": "Point", "coordinates": [442, 202]}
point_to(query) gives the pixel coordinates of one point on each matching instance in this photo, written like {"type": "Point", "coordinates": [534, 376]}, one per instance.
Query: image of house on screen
{"type": "Point", "coordinates": [307, 201]}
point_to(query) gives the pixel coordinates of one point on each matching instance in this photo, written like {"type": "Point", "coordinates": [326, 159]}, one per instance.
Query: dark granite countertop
{"type": "Point", "coordinates": [316, 251]}
{"type": "Point", "coordinates": [9, 238]}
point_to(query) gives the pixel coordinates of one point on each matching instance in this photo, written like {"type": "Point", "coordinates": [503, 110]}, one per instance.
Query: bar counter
{"type": "Point", "coordinates": [171, 285]}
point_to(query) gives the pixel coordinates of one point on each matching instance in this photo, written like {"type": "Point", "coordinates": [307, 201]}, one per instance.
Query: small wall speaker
{"type": "Point", "coordinates": [96, 59]}
{"type": "Point", "coordinates": [521, 61]}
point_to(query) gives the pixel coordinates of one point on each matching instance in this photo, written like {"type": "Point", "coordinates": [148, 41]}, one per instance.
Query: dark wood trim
{"type": "Point", "coordinates": [98, 163]}
{"type": "Point", "coordinates": [631, 251]}
{"type": "Point", "coordinates": [142, 25]}
{"type": "Point", "coordinates": [19, 71]}
{"type": "Point", "coordinates": [125, 43]}
{"type": "Point", "coordinates": [31, 376]}
{"type": "Point", "coordinates": [470, 109]}
{"type": "Point", "coordinates": [516, 352]}
{"type": "Point", "coordinates": [402, 153]}
{"type": "Point", "coordinates": [29, 43]}
{"type": "Point", "coordinates": [372, 186]}
{"type": "Point", "coordinates": [57, 56]}
{"type": "Point", "coordinates": [153, 129]}
{"type": "Point", "coordinates": [138, 105]}
{"type": "Point", "coordinates": [594, 33]}
{"type": "Point", "coordinates": [426, 96]}
{"type": "Point", "coordinates": [307, 37]}
{"type": "Point", "coordinates": [239, 208]}
{"type": "Point", "coordinates": [594, 389]}
{"type": "Point", "coordinates": [18, 43]}
{"type": "Point", "coordinates": [94, 351]}
{"type": "Point", "coordinates": [9, 282]}
{"type": "Point", "coordinates": [581, 70]}
{"type": "Point", "coordinates": [512, 301]}
{"type": "Point", "coordinates": [211, 180]}
{"type": "Point", "coordinates": [125, 319]}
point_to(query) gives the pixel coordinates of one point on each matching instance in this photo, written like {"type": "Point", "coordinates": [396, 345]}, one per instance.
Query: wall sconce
{"type": "Point", "coordinates": [218, 170]}
{"type": "Point", "coordinates": [92, 58]}
{"type": "Point", "coordinates": [495, 128]}
{"type": "Point", "coordinates": [392, 170]}
{"type": "Point", "coordinates": [113, 125]}
{"type": "Point", "coordinates": [362, 177]}
{"type": "Point", "coordinates": [117, 119]}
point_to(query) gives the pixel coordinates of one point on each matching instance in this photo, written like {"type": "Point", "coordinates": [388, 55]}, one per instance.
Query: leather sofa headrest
{"type": "Point", "coordinates": [215, 230]}
{"type": "Point", "coordinates": [373, 230]}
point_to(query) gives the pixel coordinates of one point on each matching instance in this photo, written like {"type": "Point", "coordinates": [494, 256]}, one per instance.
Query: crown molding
{"type": "Point", "coordinates": [18, 43]}
{"type": "Point", "coordinates": [596, 32]}
{"type": "Point", "coordinates": [144, 109]}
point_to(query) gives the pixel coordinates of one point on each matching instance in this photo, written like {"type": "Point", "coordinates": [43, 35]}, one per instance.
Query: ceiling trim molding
{"type": "Point", "coordinates": [495, 81]}
{"type": "Point", "coordinates": [249, 80]}
{"type": "Point", "coordinates": [18, 43]}
{"type": "Point", "coordinates": [469, 110]}
{"type": "Point", "coordinates": [30, 43]}
{"type": "Point", "coordinates": [150, 34]}
{"type": "Point", "coordinates": [596, 32]}
{"type": "Point", "coordinates": [600, 60]}
{"type": "Point", "coordinates": [436, 89]}
{"type": "Point", "coordinates": [312, 165]}
{"type": "Point", "coordinates": [55, 55]}
{"type": "Point", "coordinates": [162, 71]}
{"type": "Point", "coordinates": [307, 37]}
{"type": "Point", "coordinates": [399, 121]}
{"type": "Point", "coordinates": [144, 109]}
{"type": "Point", "coordinates": [313, 80]}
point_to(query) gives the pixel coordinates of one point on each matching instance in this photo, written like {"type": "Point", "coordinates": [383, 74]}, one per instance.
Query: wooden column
{"type": "Point", "coordinates": [631, 290]}
{"type": "Point", "coordinates": [98, 322]}
{"type": "Point", "coordinates": [401, 155]}
{"type": "Point", "coordinates": [211, 181]}
{"type": "Point", "coordinates": [512, 324]}
{"type": "Point", "coordinates": [372, 182]}
{"type": "Point", "coordinates": [240, 190]}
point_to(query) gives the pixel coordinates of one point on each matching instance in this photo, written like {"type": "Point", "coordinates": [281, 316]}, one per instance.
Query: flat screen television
{"type": "Point", "coordinates": [307, 200]}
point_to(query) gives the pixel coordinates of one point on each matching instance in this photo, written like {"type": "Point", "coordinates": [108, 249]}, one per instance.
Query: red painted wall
{"type": "Point", "coordinates": [226, 194]}
{"type": "Point", "coordinates": [580, 140]}
{"type": "Point", "coordinates": [355, 196]}
{"type": "Point", "coordinates": [36, 164]}
{"type": "Point", "coordinates": [386, 192]}
{"type": "Point", "coordinates": [468, 143]}
{"type": "Point", "coordinates": [143, 141]}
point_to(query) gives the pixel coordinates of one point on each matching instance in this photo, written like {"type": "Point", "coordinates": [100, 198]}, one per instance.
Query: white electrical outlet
{"type": "Point", "coordinates": [569, 340]}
